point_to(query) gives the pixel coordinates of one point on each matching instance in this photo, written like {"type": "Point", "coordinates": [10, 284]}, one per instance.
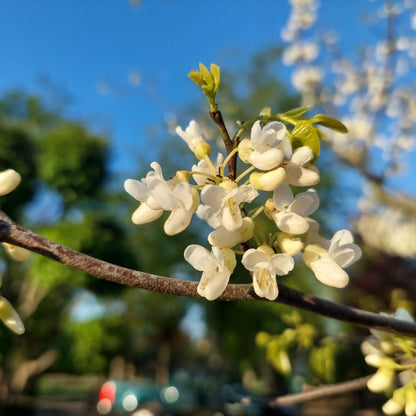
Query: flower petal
{"type": "Point", "coordinates": [10, 317]}
{"type": "Point", "coordinates": [264, 280]}
{"type": "Point", "coordinates": [302, 155]}
{"type": "Point", "coordinates": [329, 273]}
{"type": "Point", "coordinates": [144, 214]}
{"type": "Point", "coordinates": [346, 255]}
{"type": "Point", "coordinates": [267, 160]}
{"type": "Point", "coordinates": [283, 197]}
{"type": "Point", "coordinates": [291, 223]}
{"type": "Point", "coordinates": [283, 263]}
{"type": "Point", "coordinates": [301, 176]}
{"type": "Point", "coordinates": [305, 203]}
{"type": "Point", "coordinates": [251, 257]}
{"type": "Point", "coordinates": [339, 239]}
{"type": "Point", "coordinates": [213, 284]}
{"type": "Point", "coordinates": [178, 220]}
{"type": "Point", "coordinates": [137, 189]}
{"type": "Point", "coordinates": [200, 258]}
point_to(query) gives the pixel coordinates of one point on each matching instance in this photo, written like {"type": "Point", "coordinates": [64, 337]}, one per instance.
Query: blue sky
{"type": "Point", "coordinates": [88, 48]}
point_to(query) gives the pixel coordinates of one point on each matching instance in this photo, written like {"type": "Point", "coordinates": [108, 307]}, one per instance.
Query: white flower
{"type": "Point", "coordinates": [267, 146]}
{"type": "Point", "coordinates": [299, 171]}
{"type": "Point", "coordinates": [291, 211]}
{"type": "Point", "coordinates": [216, 268]}
{"type": "Point", "coordinates": [223, 238]}
{"type": "Point", "coordinates": [222, 204]}
{"type": "Point", "coordinates": [194, 139]}
{"type": "Point", "coordinates": [158, 195]}
{"type": "Point", "coordinates": [9, 179]}
{"type": "Point", "coordinates": [205, 167]}
{"type": "Point", "coordinates": [328, 264]}
{"type": "Point", "coordinates": [265, 264]}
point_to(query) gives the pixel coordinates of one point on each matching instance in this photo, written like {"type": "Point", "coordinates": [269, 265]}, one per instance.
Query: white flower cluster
{"type": "Point", "coordinates": [379, 220]}
{"type": "Point", "coordinates": [219, 200]}
{"type": "Point", "coordinates": [394, 356]}
{"type": "Point", "coordinates": [9, 180]}
{"type": "Point", "coordinates": [374, 91]}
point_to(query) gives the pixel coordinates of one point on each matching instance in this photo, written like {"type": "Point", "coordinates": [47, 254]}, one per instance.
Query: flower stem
{"type": "Point", "coordinates": [216, 116]}
{"type": "Point", "coordinates": [246, 172]}
{"type": "Point", "coordinates": [227, 159]}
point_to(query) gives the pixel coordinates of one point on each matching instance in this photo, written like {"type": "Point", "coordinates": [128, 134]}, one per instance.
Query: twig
{"type": "Point", "coordinates": [13, 233]}
{"type": "Point", "coordinates": [216, 116]}
{"type": "Point", "coordinates": [320, 392]}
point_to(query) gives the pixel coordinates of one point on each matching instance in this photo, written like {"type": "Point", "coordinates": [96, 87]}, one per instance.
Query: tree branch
{"type": "Point", "coordinates": [13, 233]}
{"type": "Point", "coordinates": [321, 392]}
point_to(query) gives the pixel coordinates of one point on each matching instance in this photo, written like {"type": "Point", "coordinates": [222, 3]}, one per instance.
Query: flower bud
{"type": "Point", "coordinates": [245, 149]}
{"type": "Point", "coordinates": [396, 404]}
{"type": "Point", "coordinates": [268, 181]}
{"type": "Point", "coordinates": [228, 184]}
{"type": "Point", "coordinates": [202, 150]}
{"type": "Point", "coordinates": [9, 179]}
{"type": "Point", "coordinates": [144, 214]}
{"type": "Point", "coordinates": [381, 381]}
{"type": "Point", "coordinates": [289, 244]}
{"type": "Point", "coordinates": [267, 250]}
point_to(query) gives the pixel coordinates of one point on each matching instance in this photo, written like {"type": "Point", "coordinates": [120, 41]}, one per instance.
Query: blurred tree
{"type": "Point", "coordinates": [64, 170]}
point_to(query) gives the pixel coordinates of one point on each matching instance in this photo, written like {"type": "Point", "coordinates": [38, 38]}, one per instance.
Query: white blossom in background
{"type": "Point", "coordinates": [394, 357]}
{"type": "Point", "coordinates": [300, 52]}
{"type": "Point", "coordinates": [385, 228]}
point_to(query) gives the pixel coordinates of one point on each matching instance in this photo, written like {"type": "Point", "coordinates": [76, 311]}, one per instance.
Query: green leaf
{"type": "Point", "coordinates": [196, 77]}
{"type": "Point", "coordinates": [304, 134]}
{"type": "Point", "coordinates": [215, 71]}
{"type": "Point", "coordinates": [296, 112]}
{"type": "Point", "coordinates": [330, 122]}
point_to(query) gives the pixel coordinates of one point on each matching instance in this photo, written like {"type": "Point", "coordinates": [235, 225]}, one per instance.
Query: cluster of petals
{"type": "Point", "coordinates": [221, 204]}
{"type": "Point", "coordinates": [216, 267]}
{"type": "Point", "coordinates": [158, 195]}
{"type": "Point", "coordinates": [393, 356]}
{"type": "Point", "coordinates": [291, 211]}
{"type": "Point", "coordinates": [265, 264]}
{"type": "Point", "coordinates": [329, 259]}
{"type": "Point", "coordinates": [274, 167]}
{"type": "Point", "coordinates": [267, 145]}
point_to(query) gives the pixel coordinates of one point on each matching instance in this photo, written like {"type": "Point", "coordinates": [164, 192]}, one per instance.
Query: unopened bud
{"type": "Point", "coordinates": [268, 181]}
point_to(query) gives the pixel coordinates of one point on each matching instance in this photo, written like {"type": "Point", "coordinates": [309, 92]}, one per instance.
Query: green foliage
{"type": "Point", "coordinates": [88, 346]}
{"type": "Point", "coordinates": [17, 151]}
{"type": "Point", "coordinates": [278, 347]}
{"type": "Point", "coordinates": [72, 161]}
{"type": "Point", "coordinates": [208, 81]}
